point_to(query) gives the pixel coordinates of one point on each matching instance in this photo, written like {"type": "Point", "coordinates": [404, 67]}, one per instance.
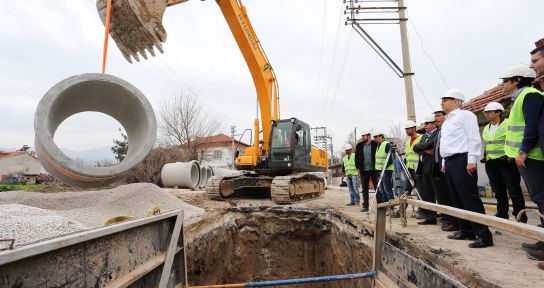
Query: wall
{"type": "Point", "coordinates": [25, 164]}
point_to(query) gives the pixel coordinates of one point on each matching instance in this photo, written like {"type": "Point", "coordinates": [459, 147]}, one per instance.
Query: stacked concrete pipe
{"type": "Point", "coordinates": [93, 93]}
{"type": "Point", "coordinates": [181, 174]}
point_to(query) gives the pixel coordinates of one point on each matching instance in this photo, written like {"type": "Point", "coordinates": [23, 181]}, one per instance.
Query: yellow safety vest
{"type": "Point", "coordinates": [516, 128]}
{"type": "Point", "coordinates": [494, 143]}
{"type": "Point", "coordinates": [412, 158]}
{"type": "Point", "coordinates": [381, 156]}
{"type": "Point", "coordinates": [349, 165]}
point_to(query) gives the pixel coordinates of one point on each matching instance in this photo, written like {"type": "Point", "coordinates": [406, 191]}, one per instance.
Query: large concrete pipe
{"type": "Point", "coordinates": [181, 174]}
{"type": "Point", "coordinates": [93, 93]}
{"type": "Point", "coordinates": [209, 173]}
{"type": "Point", "coordinates": [203, 177]}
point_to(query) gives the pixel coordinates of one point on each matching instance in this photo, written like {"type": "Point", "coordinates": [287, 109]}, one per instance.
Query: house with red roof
{"type": "Point", "coordinates": [216, 150]}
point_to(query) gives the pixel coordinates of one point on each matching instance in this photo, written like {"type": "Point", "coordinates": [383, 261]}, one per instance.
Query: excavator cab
{"type": "Point", "coordinates": [290, 145]}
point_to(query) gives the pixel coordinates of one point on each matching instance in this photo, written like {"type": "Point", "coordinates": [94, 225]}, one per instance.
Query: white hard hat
{"type": "Point", "coordinates": [438, 109]}
{"type": "Point", "coordinates": [455, 94]}
{"type": "Point", "coordinates": [429, 119]}
{"type": "Point", "coordinates": [378, 133]}
{"type": "Point", "coordinates": [365, 132]}
{"type": "Point", "coordinates": [493, 106]}
{"type": "Point", "coordinates": [521, 70]}
{"type": "Point", "coordinates": [347, 147]}
{"type": "Point", "coordinates": [410, 124]}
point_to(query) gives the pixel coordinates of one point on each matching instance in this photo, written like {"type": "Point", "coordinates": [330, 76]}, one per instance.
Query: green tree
{"type": "Point", "coordinates": [121, 147]}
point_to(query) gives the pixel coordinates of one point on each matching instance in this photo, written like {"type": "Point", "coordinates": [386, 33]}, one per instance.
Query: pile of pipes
{"type": "Point", "coordinates": [190, 174]}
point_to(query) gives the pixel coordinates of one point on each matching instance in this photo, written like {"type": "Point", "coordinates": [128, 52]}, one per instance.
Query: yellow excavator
{"type": "Point", "coordinates": [283, 163]}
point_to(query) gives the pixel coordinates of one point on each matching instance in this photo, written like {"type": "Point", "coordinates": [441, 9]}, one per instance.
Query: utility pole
{"type": "Point", "coordinates": [361, 12]}
{"type": "Point", "coordinates": [407, 67]}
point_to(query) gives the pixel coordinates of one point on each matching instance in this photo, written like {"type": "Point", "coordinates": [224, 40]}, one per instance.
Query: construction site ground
{"type": "Point", "coordinates": [503, 265]}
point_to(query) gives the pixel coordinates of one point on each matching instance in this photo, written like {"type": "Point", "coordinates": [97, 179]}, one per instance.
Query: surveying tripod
{"type": "Point", "coordinates": [393, 152]}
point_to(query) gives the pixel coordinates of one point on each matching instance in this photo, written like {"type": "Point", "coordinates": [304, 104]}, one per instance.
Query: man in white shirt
{"type": "Point", "coordinates": [460, 147]}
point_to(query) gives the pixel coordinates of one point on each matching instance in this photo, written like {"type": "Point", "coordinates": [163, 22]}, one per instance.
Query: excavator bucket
{"type": "Point", "coordinates": [135, 25]}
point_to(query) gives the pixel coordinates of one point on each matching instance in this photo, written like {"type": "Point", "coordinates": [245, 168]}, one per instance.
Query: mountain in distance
{"type": "Point", "coordinates": [92, 155]}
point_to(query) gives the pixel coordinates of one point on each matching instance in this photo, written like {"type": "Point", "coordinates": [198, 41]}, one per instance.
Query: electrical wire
{"type": "Point", "coordinates": [318, 84]}
{"type": "Point", "coordinates": [334, 54]}
{"type": "Point", "coordinates": [341, 74]}
{"type": "Point", "coordinates": [429, 56]}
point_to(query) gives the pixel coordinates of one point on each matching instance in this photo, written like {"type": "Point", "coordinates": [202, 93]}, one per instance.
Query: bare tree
{"type": "Point", "coordinates": [182, 120]}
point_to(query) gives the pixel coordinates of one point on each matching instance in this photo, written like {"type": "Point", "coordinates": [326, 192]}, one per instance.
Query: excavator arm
{"type": "Point", "coordinates": [136, 27]}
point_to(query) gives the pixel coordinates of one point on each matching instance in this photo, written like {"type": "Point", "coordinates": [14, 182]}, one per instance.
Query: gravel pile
{"type": "Point", "coordinates": [93, 208]}
{"type": "Point", "coordinates": [28, 224]}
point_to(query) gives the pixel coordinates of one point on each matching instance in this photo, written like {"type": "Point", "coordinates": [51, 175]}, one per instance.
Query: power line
{"type": "Point", "coordinates": [421, 91]}
{"type": "Point", "coordinates": [318, 84]}
{"type": "Point", "coordinates": [340, 77]}
{"type": "Point", "coordinates": [429, 56]}
{"type": "Point", "coordinates": [334, 54]}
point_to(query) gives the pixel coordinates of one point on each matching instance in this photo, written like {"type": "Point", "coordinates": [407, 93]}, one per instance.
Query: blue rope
{"type": "Point", "coordinates": [311, 279]}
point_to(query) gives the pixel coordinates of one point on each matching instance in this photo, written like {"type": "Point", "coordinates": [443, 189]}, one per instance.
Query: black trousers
{"type": "Point", "coordinates": [365, 177]}
{"type": "Point", "coordinates": [443, 197]}
{"type": "Point", "coordinates": [464, 191]}
{"type": "Point", "coordinates": [533, 175]}
{"type": "Point", "coordinates": [503, 177]}
{"type": "Point", "coordinates": [428, 193]}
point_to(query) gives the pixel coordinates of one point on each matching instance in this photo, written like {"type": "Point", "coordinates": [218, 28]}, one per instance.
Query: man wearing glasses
{"type": "Point", "coordinates": [522, 136]}
{"type": "Point", "coordinates": [460, 148]}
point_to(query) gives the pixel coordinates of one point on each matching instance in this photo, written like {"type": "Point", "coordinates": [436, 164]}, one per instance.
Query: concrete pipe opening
{"type": "Point", "coordinates": [181, 174]}
{"type": "Point", "coordinates": [93, 93]}
{"type": "Point", "coordinates": [203, 176]}
{"type": "Point", "coordinates": [209, 173]}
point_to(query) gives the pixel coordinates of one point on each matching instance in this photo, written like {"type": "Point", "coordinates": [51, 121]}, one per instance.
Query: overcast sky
{"type": "Point", "coordinates": [328, 75]}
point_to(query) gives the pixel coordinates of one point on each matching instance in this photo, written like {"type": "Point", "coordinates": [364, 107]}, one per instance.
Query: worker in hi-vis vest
{"type": "Point", "coordinates": [502, 171]}
{"type": "Point", "coordinates": [349, 171]}
{"type": "Point", "coordinates": [411, 157]}
{"type": "Point", "coordinates": [385, 191]}
{"type": "Point", "coordinates": [522, 140]}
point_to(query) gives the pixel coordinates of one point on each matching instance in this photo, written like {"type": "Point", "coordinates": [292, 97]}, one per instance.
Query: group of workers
{"type": "Point", "coordinates": [442, 161]}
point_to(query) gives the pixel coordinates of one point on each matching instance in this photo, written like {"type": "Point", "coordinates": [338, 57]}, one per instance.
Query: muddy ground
{"type": "Point", "coordinates": [503, 265]}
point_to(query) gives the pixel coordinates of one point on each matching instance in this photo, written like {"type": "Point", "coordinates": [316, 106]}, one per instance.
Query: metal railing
{"type": "Point", "coordinates": [518, 228]}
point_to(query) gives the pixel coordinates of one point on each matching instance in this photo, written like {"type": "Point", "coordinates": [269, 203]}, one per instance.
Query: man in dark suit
{"type": "Point", "coordinates": [365, 158]}
{"type": "Point", "coordinates": [426, 165]}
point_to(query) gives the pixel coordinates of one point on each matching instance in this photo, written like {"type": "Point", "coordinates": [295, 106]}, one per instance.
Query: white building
{"type": "Point", "coordinates": [217, 150]}
{"type": "Point", "coordinates": [18, 162]}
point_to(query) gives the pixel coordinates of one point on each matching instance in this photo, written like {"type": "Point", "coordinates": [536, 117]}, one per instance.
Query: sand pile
{"type": "Point", "coordinates": [93, 208]}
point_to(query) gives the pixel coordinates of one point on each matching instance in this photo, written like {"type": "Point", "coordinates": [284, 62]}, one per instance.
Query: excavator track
{"type": "Point", "coordinates": [213, 188]}
{"type": "Point", "coordinates": [295, 188]}
{"type": "Point", "coordinates": [283, 189]}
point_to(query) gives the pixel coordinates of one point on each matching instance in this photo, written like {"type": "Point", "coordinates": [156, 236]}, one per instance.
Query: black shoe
{"type": "Point", "coordinates": [523, 218]}
{"type": "Point", "coordinates": [501, 216]}
{"type": "Point", "coordinates": [427, 222]}
{"type": "Point", "coordinates": [537, 246]}
{"type": "Point", "coordinates": [480, 243]}
{"type": "Point", "coordinates": [461, 236]}
{"type": "Point", "coordinates": [364, 209]}
{"type": "Point", "coordinates": [350, 204]}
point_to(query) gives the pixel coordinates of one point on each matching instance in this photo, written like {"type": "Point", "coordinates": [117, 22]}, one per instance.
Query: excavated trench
{"type": "Point", "coordinates": [256, 244]}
